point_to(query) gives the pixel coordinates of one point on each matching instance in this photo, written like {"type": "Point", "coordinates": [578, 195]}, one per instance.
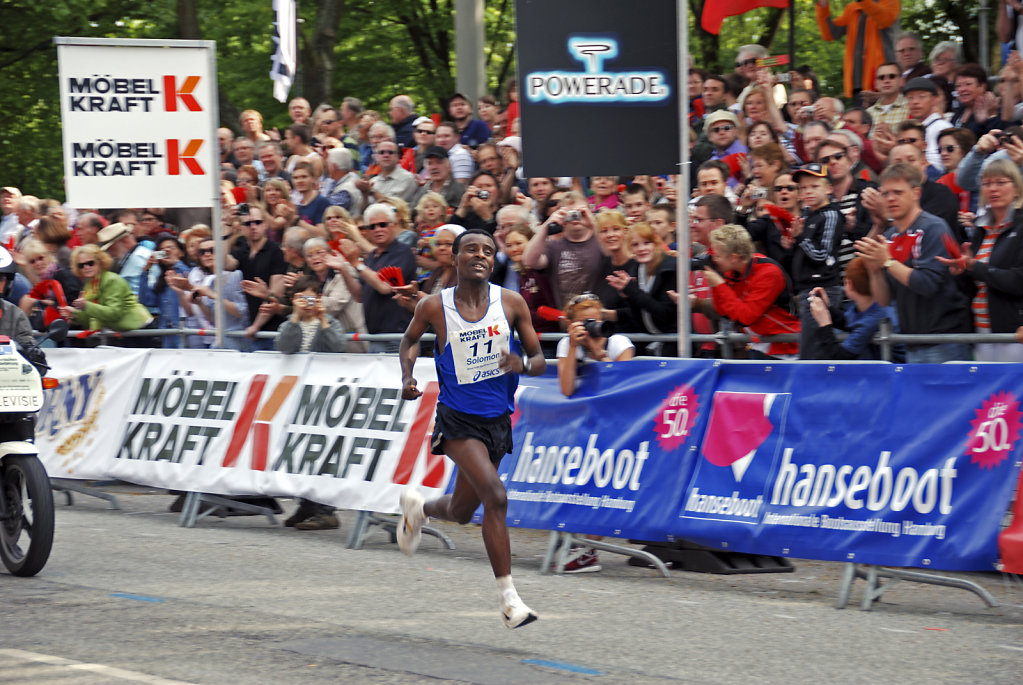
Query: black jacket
{"type": "Point", "coordinates": [1003, 274]}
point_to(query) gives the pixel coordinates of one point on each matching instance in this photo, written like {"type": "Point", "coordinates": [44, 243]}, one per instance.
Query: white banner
{"type": "Point", "coordinates": [83, 418]}
{"type": "Point", "coordinates": [331, 428]}
{"type": "Point", "coordinates": [139, 122]}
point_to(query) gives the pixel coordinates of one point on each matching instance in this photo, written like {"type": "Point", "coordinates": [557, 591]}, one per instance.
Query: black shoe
{"type": "Point", "coordinates": [306, 510]}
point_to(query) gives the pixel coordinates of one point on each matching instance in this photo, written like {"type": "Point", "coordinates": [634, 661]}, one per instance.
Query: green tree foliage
{"type": "Point", "coordinates": [371, 50]}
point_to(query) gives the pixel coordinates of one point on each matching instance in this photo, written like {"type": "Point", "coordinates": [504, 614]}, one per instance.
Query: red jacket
{"type": "Point", "coordinates": [751, 299]}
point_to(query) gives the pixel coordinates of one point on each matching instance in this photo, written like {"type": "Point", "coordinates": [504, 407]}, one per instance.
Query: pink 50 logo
{"type": "Point", "coordinates": [994, 431]}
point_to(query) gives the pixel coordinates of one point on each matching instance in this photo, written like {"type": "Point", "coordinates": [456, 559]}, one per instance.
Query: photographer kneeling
{"type": "Point", "coordinates": [589, 339]}
{"type": "Point", "coordinates": [751, 290]}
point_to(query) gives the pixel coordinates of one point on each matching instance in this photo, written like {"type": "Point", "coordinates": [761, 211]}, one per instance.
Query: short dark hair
{"type": "Point", "coordinates": [972, 70]}
{"type": "Point", "coordinates": [715, 164]}
{"type": "Point", "coordinates": [718, 207]}
{"type": "Point", "coordinates": [302, 132]}
{"type": "Point", "coordinates": [903, 172]}
{"type": "Point", "coordinates": [472, 231]}
{"type": "Point", "coordinates": [637, 189]}
{"type": "Point", "coordinates": [307, 282]}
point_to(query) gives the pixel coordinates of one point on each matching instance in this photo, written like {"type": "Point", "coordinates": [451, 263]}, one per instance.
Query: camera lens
{"type": "Point", "coordinates": [598, 329]}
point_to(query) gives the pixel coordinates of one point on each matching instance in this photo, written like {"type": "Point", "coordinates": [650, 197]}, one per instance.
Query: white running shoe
{"type": "Point", "coordinates": [514, 612]}
{"type": "Point", "coordinates": [410, 529]}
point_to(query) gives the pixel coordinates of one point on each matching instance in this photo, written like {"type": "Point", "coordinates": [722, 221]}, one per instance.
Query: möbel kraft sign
{"type": "Point", "coordinates": [598, 87]}
{"type": "Point", "coordinates": [139, 122]}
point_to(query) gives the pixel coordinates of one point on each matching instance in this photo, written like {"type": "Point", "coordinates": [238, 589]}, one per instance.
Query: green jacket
{"type": "Point", "coordinates": [111, 305]}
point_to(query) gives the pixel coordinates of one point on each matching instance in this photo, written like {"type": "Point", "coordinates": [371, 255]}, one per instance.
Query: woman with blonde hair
{"type": "Point", "coordinates": [106, 300]}
{"type": "Point", "coordinates": [648, 295]}
{"type": "Point", "coordinates": [280, 210]}
{"type": "Point", "coordinates": [994, 261]}
{"type": "Point", "coordinates": [431, 213]}
{"type": "Point", "coordinates": [612, 232]}
{"type": "Point", "coordinates": [53, 286]}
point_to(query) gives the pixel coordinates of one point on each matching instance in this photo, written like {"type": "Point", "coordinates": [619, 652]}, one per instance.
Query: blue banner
{"type": "Point", "coordinates": [874, 463]}
{"type": "Point", "coordinates": [867, 462]}
{"type": "Point", "coordinates": [613, 458]}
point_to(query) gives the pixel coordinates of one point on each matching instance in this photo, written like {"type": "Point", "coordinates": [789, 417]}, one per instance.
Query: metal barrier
{"type": "Point", "coordinates": [727, 341]}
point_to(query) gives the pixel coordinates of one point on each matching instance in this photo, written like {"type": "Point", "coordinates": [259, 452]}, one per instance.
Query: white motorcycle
{"type": "Point", "coordinates": [26, 501]}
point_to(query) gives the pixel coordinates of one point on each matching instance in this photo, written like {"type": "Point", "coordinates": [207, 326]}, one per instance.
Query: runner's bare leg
{"type": "Point", "coordinates": [477, 482]}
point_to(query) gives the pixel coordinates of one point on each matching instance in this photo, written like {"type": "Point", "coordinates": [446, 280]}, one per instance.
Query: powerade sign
{"type": "Point", "coordinates": [598, 89]}
{"type": "Point", "coordinates": [594, 85]}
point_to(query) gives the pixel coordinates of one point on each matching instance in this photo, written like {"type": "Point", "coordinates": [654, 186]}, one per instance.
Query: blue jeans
{"type": "Point", "coordinates": [938, 354]}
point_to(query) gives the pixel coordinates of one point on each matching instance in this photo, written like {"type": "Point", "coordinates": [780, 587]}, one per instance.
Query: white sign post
{"type": "Point", "coordinates": [140, 126]}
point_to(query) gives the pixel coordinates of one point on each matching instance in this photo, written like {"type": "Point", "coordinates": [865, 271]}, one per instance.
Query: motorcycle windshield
{"type": "Point", "coordinates": [21, 389]}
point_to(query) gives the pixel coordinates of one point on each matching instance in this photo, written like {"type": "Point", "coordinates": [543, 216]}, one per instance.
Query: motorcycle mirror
{"type": "Point", "coordinates": [57, 330]}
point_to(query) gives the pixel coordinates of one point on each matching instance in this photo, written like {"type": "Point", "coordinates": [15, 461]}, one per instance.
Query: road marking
{"type": "Point", "coordinates": [99, 669]}
{"type": "Point", "coordinates": [1012, 647]}
{"type": "Point", "coordinates": [561, 666]}
{"type": "Point", "coordinates": [137, 598]}
{"type": "Point", "coordinates": [896, 630]}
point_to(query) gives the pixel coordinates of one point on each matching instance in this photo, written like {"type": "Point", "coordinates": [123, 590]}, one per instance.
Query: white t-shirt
{"type": "Point", "coordinates": [616, 345]}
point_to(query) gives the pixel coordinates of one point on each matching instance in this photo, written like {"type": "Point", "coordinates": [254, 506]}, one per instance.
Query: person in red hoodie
{"type": "Point", "coordinates": [751, 290]}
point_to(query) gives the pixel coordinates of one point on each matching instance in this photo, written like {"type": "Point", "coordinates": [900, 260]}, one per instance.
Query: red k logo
{"type": "Point", "coordinates": [176, 158]}
{"type": "Point", "coordinates": [171, 94]}
{"type": "Point", "coordinates": [258, 424]}
{"type": "Point", "coordinates": [493, 331]}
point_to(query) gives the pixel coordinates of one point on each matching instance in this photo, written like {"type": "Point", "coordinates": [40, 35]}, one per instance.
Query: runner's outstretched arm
{"type": "Point", "coordinates": [408, 350]}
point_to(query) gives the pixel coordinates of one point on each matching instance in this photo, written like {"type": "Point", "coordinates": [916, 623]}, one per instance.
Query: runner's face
{"type": "Point", "coordinates": [475, 257]}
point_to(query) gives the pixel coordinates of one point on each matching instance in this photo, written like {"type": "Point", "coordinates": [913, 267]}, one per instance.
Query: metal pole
{"type": "Point", "coordinates": [982, 37]}
{"type": "Point", "coordinates": [216, 219]}
{"type": "Point", "coordinates": [682, 182]}
{"type": "Point", "coordinates": [470, 75]}
{"type": "Point", "coordinates": [792, 35]}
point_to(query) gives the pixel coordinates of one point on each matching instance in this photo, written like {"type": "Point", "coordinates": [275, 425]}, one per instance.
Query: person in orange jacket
{"type": "Point", "coordinates": [869, 28]}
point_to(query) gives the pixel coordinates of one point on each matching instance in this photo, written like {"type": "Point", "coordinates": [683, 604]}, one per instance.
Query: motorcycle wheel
{"type": "Point", "coordinates": [26, 535]}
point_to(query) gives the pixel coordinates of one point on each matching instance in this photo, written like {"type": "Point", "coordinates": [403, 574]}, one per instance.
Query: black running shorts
{"type": "Point", "coordinates": [494, 432]}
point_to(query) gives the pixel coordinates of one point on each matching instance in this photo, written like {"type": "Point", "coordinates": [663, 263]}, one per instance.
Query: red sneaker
{"type": "Point", "coordinates": [582, 560]}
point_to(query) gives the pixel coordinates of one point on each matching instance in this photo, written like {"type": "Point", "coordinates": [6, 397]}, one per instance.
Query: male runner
{"type": "Point", "coordinates": [478, 362]}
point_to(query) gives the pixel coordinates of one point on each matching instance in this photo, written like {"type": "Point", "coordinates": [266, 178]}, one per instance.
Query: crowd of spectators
{"type": "Point", "coordinates": [807, 211]}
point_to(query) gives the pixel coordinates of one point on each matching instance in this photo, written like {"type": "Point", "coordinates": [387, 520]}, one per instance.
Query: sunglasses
{"type": "Point", "coordinates": [746, 63]}
{"type": "Point", "coordinates": [907, 141]}
{"type": "Point", "coordinates": [82, 265]}
{"type": "Point", "coordinates": [723, 127]}
{"type": "Point", "coordinates": [425, 130]}
{"type": "Point", "coordinates": [585, 297]}
{"type": "Point", "coordinates": [828, 159]}
{"type": "Point", "coordinates": [253, 222]}
{"type": "Point", "coordinates": [379, 224]}
{"type": "Point", "coordinates": [948, 148]}
{"type": "Point", "coordinates": [387, 152]}
{"type": "Point", "coordinates": [789, 188]}
{"type": "Point", "coordinates": [887, 77]}
{"type": "Point", "coordinates": [206, 250]}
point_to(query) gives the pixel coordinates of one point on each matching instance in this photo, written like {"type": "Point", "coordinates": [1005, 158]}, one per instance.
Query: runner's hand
{"type": "Point", "coordinates": [409, 391]}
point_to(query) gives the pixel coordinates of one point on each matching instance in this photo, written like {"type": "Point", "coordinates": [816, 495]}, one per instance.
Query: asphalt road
{"type": "Point", "coordinates": [129, 596]}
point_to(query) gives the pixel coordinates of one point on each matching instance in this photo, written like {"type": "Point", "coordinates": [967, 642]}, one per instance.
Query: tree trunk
{"type": "Point", "coordinates": [318, 57]}
{"type": "Point", "coordinates": [771, 26]}
{"type": "Point", "coordinates": [188, 20]}
{"type": "Point", "coordinates": [710, 44]}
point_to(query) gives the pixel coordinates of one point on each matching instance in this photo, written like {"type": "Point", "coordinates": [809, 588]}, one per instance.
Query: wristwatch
{"type": "Point", "coordinates": [360, 267]}
{"type": "Point", "coordinates": [526, 365]}
{"type": "Point", "coordinates": [889, 263]}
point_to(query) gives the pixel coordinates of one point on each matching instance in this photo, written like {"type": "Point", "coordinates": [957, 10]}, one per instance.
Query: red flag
{"type": "Point", "coordinates": [715, 11]}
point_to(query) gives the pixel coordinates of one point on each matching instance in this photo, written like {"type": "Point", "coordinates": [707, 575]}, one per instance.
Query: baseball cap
{"type": "Point", "coordinates": [812, 169]}
{"type": "Point", "coordinates": [920, 83]}
{"type": "Point", "coordinates": [435, 151]}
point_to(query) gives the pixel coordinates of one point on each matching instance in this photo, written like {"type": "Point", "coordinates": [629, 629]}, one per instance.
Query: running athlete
{"type": "Point", "coordinates": [478, 362]}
